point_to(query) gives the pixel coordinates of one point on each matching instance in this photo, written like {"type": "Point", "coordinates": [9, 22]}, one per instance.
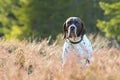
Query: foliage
{"type": "Point", "coordinates": [40, 61]}
{"type": "Point", "coordinates": [111, 26]}
{"type": "Point", "coordinates": [43, 18]}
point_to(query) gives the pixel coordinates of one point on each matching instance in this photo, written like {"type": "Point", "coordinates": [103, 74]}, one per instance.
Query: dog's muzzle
{"type": "Point", "coordinates": [72, 31]}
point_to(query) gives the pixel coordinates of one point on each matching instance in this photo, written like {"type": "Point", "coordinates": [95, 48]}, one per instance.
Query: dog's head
{"type": "Point", "coordinates": [73, 27]}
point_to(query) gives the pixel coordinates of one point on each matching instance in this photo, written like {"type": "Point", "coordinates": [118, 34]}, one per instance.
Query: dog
{"type": "Point", "coordinates": [76, 41]}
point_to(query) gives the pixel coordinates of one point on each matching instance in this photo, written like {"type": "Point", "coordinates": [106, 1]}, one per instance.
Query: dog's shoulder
{"type": "Point", "coordinates": [66, 46]}
{"type": "Point", "coordinates": [86, 40]}
{"type": "Point", "coordinates": [87, 44]}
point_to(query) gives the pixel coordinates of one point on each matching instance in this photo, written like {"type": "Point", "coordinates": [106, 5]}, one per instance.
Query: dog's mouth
{"type": "Point", "coordinates": [72, 35]}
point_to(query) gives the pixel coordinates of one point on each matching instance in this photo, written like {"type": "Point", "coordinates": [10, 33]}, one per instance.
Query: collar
{"type": "Point", "coordinates": [75, 42]}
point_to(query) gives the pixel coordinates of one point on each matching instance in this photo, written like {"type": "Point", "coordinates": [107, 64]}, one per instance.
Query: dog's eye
{"type": "Point", "coordinates": [70, 22]}
{"type": "Point", "coordinates": [76, 22]}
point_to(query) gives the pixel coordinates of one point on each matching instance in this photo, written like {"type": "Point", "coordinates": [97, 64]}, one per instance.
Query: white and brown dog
{"type": "Point", "coordinates": [76, 41]}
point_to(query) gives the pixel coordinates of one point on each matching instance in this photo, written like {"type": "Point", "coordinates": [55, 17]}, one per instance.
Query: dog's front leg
{"type": "Point", "coordinates": [64, 56]}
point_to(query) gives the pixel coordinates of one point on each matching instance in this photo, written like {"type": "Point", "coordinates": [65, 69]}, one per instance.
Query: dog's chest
{"type": "Point", "coordinates": [75, 48]}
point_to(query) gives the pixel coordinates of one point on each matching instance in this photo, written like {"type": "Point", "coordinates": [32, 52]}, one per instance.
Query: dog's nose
{"type": "Point", "coordinates": [72, 28]}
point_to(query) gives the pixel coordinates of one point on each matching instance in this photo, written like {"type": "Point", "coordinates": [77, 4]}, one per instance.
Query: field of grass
{"type": "Point", "coordinates": [40, 61]}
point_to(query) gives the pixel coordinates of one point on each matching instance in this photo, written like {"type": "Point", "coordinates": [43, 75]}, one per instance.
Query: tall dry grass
{"type": "Point", "coordinates": [40, 61]}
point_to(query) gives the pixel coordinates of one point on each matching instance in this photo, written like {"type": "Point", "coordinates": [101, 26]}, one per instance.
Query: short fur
{"type": "Point", "coordinates": [78, 43]}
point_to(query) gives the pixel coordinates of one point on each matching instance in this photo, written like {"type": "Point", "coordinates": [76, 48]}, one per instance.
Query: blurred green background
{"type": "Point", "coordinates": [24, 19]}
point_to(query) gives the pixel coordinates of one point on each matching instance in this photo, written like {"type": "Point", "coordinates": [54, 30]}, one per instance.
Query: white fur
{"type": "Point", "coordinates": [84, 48]}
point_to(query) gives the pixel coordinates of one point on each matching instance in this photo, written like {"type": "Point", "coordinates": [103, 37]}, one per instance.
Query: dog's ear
{"type": "Point", "coordinates": [64, 30]}
{"type": "Point", "coordinates": [83, 30]}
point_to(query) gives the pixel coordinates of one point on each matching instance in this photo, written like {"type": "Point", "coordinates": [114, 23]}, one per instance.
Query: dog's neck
{"type": "Point", "coordinates": [75, 40]}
